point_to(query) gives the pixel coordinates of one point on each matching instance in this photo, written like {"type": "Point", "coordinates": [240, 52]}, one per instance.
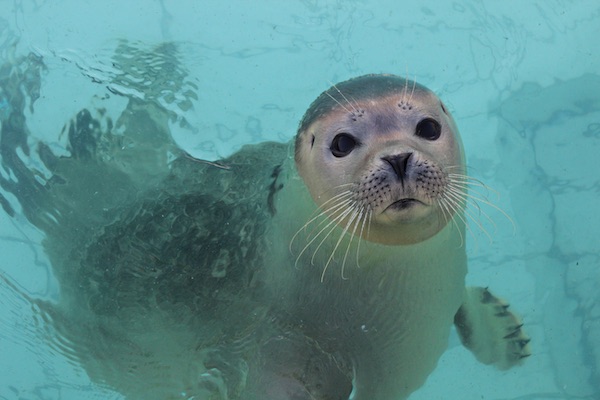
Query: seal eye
{"type": "Point", "coordinates": [342, 145]}
{"type": "Point", "coordinates": [428, 129]}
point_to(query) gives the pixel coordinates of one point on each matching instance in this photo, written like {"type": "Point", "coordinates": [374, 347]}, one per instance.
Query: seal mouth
{"type": "Point", "coordinates": [404, 204]}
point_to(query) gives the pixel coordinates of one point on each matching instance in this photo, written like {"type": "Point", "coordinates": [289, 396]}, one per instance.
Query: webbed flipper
{"type": "Point", "coordinates": [492, 332]}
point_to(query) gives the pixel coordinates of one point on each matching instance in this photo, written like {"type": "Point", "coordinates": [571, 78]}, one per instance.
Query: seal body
{"type": "Point", "coordinates": [330, 270]}
{"type": "Point", "coordinates": [392, 288]}
{"type": "Point", "coordinates": [393, 308]}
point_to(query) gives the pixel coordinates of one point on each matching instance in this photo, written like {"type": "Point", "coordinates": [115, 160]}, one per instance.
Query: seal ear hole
{"type": "Point", "coordinates": [312, 141]}
{"type": "Point", "coordinates": [342, 145]}
{"type": "Point", "coordinates": [444, 108]}
{"type": "Point", "coordinates": [428, 129]}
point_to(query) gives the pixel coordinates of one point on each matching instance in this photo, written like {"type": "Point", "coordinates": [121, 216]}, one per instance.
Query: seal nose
{"type": "Point", "coordinates": [399, 163]}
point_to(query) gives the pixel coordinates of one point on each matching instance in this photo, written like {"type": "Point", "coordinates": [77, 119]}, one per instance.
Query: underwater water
{"type": "Point", "coordinates": [522, 80]}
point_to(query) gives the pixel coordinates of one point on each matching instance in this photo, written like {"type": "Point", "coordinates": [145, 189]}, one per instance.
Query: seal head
{"type": "Point", "coordinates": [380, 152]}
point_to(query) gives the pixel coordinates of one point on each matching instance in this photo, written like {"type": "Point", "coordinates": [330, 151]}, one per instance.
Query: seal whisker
{"type": "Point", "coordinates": [335, 222]}
{"type": "Point", "coordinates": [500, 210]}
{"type": "Point", "coordinates": [479, 197]}
{"type": "Point", "coordinates": [463, 185]}
{"type": "Point", "coordinates": [471, 186]}
{"type": "Point", "coordinates": [321, 210]}
{"type": "Point", "coordinates": [463, 220]}
{"type": "Point", "coordinates": [469, 180]}
{"type": "Point", "coordinates": [331, 221]}
{"type": "Point", "coordinates": [331, 212]}
{"type": "Point", "coordinates": [340, 104]}
{"type": "Point", "coordinates": [360, 235]}
{"type": "Point", "coordinates": [457, 205]}
{"type": "Point", "coordinates": [369, 224]}
{"type": "Point", "coordinates": [405, 88]}
{"type": "Point", "coordinates": [345, 193]}
{"type": "Point", "coordinates": [475, 197]}
{"type": "Point", "coordinates": [342, 185]}
{"type": "Point", "coordinates": [310, 242]}
{"type": "Point", "coordinates": [468, 186]}
{"type": "Point", "coordinates": [466, 189]}
{"type": "Point", "coordinates": [345, 98]}
{"type": "Point", "coordinates": [354, 100]}
{"type": "Point", "coordinates": [355, 105]}
{"type": "Point", "coordinates": [445, 206]}
{"type": "Point", "coordinates": [344, 200]}
{"type": "Point", "coordinates": [412, 92]}
{"type": "Point", "coordinates": [460, 199]}
{"type": "Point", "coordinates": [326, 193]}
{"type": "Point", "coordinates": [471, 200]}
{"type": "Point", "coordinates": [456, 167]}
{"type": "Point", "coordinates": [446, 214]}
{"type": "Point", "coordinates": [337, 244]}
{"type": "Point", "coordinates": [352, 236]}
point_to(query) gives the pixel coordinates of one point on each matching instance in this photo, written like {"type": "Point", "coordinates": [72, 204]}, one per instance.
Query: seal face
{"type": "Point", "coordinates": [384, 150]}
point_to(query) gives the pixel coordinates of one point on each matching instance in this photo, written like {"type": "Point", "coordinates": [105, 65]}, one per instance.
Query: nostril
{"type": "Point", "coordinates": [399, 162]}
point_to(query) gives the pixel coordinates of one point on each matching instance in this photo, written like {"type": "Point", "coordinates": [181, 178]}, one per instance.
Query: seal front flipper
{"type": "Point", "coordinates": [492, 332]}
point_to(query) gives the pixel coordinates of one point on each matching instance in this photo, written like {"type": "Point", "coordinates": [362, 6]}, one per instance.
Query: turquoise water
{"type": "Point", "coordinates": [521, 79]}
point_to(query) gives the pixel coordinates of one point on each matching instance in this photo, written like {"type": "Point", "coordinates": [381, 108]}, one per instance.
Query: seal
{"type": "Point", "coordinates": [333, 271]}
{"type": "Point", "coordinates": [383, 160]}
